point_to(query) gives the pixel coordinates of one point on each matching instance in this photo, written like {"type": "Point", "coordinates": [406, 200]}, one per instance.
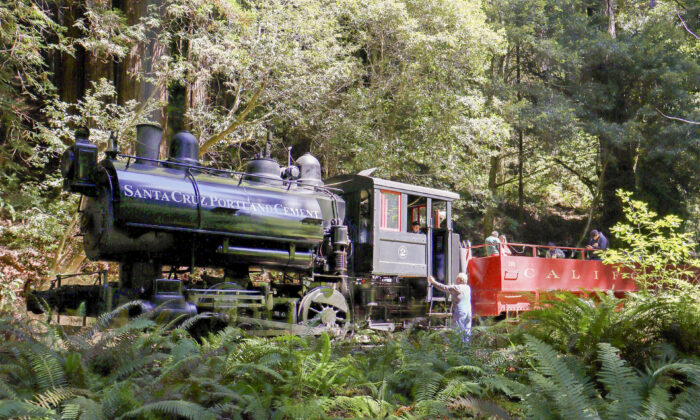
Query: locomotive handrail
{"type": "Point", "coordinates": [230, 172]}
{"type": "Point", "coordinates": [190, 175]}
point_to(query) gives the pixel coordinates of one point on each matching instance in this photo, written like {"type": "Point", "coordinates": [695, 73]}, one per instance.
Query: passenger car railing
{"type": "Point", "coordinates": [530, 250]}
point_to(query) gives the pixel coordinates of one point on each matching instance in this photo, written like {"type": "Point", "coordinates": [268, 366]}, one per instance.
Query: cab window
{"type": "Point", "coordinates": [390, 206]}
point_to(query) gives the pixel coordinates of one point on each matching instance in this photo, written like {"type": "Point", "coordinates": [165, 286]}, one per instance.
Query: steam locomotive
{"type": "Point", "coordinates": [292, 248]}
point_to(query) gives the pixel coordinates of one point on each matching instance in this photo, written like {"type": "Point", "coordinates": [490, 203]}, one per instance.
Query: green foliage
{"type": "Point", "coordinates": [653, 250]}
{"type": "Point", "coordinates": [560, 388]}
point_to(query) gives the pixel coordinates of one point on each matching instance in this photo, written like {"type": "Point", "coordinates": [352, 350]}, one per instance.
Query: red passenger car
{"type": "Point", "coordinates": [508, 283]}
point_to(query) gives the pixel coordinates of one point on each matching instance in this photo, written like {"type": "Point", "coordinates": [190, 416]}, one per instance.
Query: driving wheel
{"type": "Point", "coordinates": [324, 306]}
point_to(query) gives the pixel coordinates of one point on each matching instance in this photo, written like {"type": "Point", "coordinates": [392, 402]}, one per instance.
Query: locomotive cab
{"type": "Point", "coordinates": [389, 262]}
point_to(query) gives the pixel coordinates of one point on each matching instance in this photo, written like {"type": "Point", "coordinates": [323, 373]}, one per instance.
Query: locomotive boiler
{"type": "Point", "coordinates": [147, 214]}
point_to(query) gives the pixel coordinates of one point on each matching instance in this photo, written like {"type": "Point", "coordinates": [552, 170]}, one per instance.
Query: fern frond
{"type": "Point", "coordinates": [431, 408]}
{"type": "Point", "coordinates": [188, 410]}
{"type": "Point", "coordinates": [428, 385]}
{"type": "Point", "coordinates": [104, 321]}
{"type": "Point", "coordinates": [47, 369]}
{"type": "Point", "coordinates": [7, 391]}
{"type": "Point", "coordinates": [688, 406]}
{"type": "Point", "coordinates": [459, 388]}
{"type": "Point", "coordinates": [658, 405]}
{"type": "Point", "coordinates": [240, 368]}
{"type": "Point", "coordinates": [70, 411]}
{"type": "Point", "coordinates": [570, 399]}
{"type": "Point", "coordinates": [178, 367]}
{"type": "Point", "coordinates": [88, 409]}
{"type": "Point", "coordinates": [480, 408]}
{"type": "Point", "coordinates": [620, 381]}
{"type": "Point", "coordinates": [130, 366]}
{"type": "Point", "coordinates": [507, 386]}
{"type": "Point", "coordinates": [54, 397]}
{"type": "Point", "coordinates": [469, 370]}
{"type": "Point", "coordinates": [190, 322]}
{"type": "Point", "coordinates": [11, 409]}
{"type": "Point", "coordinates": [358, 406]}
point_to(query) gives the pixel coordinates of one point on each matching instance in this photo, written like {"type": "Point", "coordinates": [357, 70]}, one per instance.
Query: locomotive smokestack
{"type": "Point", "coordinates": [148, 139]}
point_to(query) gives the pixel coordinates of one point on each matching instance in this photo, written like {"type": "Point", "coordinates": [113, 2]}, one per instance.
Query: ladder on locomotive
{"type": "Point", "coordinates": [465, 255]}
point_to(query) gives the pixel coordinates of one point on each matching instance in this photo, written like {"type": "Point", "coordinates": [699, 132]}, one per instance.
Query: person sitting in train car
{"type": "Point", "coordinates": [493, 243]}
{"type": "Point", "coordinates": [553, 252]}
{"type": "Point", "coordinates": [598, 242]}
{"type": "Point", "coordinates": [415, 227]}
{"type": "Point", "coordinates": [504, 245]}
{"type": "Point", "coordinates": [461, 304]}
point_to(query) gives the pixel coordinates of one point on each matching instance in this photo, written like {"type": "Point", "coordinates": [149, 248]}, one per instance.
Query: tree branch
{"type": "Point", "coordinates": [580, 176]}
{"type": "Point", "coordinates": [678, 119]}
{"type": "Point", "coordinates": [217, 137]}
{"type": "Point", "coordinates": [686, 26]}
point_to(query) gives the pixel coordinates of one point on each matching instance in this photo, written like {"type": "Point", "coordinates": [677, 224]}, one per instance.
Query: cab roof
{"type": "Point", "coordinates": [356, 182]}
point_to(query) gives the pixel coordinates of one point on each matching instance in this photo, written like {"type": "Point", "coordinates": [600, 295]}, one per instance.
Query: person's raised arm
{"type": "Point", "coordinates": [438, 285]}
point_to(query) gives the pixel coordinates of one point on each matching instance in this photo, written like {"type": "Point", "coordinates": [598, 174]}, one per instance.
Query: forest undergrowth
{"type": "Point", "coordinates": [589, 356]}
{"type": "Point", "coordinates": [580, 357]}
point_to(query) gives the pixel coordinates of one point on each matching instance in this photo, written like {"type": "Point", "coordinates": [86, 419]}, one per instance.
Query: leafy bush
{"type": "Point", "coordinates": [654, 250]}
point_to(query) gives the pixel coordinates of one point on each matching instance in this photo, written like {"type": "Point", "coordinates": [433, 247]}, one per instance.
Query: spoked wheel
{"type": "Point", "coordinates": [324, 306]}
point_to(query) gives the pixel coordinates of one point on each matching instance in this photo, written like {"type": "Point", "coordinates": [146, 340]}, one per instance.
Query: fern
{"type": "Point", "coordinates": [47, 369]}
{"type": "Point", "coordinates": [570, 398]}
{"type": "Point", "coordinates": [10, 409]}
{"type": "Point", "coordinates": [70, 411]}
{"type": "Point", "coordinates": [184, 409]}
{"type": "Point", "coordinates": [189, 362]}
{"type": "Point", "coordinates": [689, 404]}
{"type": "Point", "coordinates": [359, 406]}
{"type": "Point", "coordinates": [656, 406]}
{"type": "Point", "coordinates": [89, 409]}
{"type": "Point", "coordinates": [7, 391]}
{"type": "Point", "coordinates": [480, 408]}
{"type": "Point", "coordinates": [428, 385]}
{"type": "Point", "coordinates": [54, 397]}
{"type": "Point", "coordinates": [620, 381]}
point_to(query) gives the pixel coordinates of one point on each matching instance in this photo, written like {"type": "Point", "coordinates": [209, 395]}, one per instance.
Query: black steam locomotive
{"type": "Point", "coordinates": [292, 248]}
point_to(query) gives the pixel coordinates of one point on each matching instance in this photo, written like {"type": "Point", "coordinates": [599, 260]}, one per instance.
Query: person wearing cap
{"type": "Point", "coordinates": [554, 252]}
{"type": "Point", "coordinates": [598, 242]}
{"type": "Point", "coordinates": [461, 303]}
{"type": "Point", "coordinates": [415, 227]}
{"type": "Point", "coordinates": [493, 244]}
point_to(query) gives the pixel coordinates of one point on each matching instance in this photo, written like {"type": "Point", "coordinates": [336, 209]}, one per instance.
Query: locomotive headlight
{"type": "Point", "coordinates": [79, 165]}
{"type": "Point", "coordinates": [67, 163]}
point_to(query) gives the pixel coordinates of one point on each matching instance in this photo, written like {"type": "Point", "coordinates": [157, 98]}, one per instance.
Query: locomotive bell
{"type": "Point", "coordinates": [184, 148]}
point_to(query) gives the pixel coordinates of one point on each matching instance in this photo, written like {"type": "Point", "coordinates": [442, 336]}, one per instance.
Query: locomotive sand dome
{"type": "Point", "coordinates": [144, 213]}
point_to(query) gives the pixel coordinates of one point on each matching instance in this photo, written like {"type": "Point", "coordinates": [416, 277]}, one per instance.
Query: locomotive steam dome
{"type": "Point", "coordinates": [265, 166]}
{"type": "Point", "coordinates": [184, 148]}
{"type": "Point", "coordinates": [310, 170]}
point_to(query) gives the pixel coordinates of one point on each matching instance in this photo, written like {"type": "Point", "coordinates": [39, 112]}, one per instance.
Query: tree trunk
{"type": "Point", "coordinates": [597, 195]}
{"type": "Point", "coordinates": [520, 139]}
{"type": "Point", "coordinates": [71, 82]}
{"type": "Point", "coordinates": [490, 213]}
{"type": "Point", "coordinates": [136, 79]}
{"type": "Point", "coordinates": [610, 13]}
